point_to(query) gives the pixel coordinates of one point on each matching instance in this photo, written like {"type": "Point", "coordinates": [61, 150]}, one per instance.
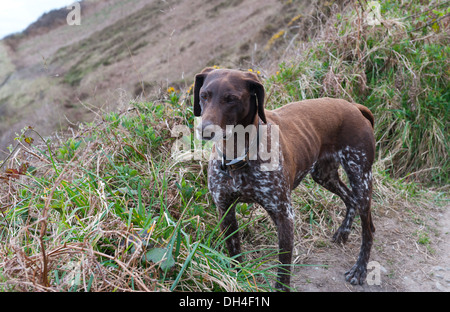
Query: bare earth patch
{"type": "Point", "coordinates": [411, 250]}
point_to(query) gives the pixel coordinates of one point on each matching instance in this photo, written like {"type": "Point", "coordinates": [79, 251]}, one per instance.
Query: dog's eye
{"type": "Point", "coordinates": [230, 98]}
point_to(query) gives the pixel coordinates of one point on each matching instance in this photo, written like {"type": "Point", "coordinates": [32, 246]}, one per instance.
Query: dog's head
{"type": "Point", "coordinates": [227, 97]}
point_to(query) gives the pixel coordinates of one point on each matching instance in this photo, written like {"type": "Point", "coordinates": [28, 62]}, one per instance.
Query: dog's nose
{"type": "Point", "coordinates": [205, 130]}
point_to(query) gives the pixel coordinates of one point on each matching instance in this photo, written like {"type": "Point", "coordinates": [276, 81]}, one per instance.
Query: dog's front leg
{"type": "Point", "coordinates": [229, 227]}
{"type": "Point", "coordinates": [284, 220]}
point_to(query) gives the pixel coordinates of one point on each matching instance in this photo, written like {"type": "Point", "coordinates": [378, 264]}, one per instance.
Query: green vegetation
{"type": "Point", "coordinates": [109, 209]}
{"type": "Point", "coordinates": [110, 193]}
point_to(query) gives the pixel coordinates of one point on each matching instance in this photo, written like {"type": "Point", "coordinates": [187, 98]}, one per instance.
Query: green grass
{"type": "Point", "coordinates": [112, 202]}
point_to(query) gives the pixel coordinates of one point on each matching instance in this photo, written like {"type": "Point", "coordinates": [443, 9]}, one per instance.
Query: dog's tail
{"type": "Point", "coordinates": [366, 113]}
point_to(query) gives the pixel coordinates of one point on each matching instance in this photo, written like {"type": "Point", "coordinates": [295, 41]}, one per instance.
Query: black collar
{"type": "Point", "coordinates": [239, 162]}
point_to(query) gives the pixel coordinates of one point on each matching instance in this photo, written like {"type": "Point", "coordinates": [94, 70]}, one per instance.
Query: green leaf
{"type": "Point", "coordinates": [133, 172]}
{"type": "Point", "coordinates": [186, 263]}
{"type": "Point", "coordinates": [160, 255]}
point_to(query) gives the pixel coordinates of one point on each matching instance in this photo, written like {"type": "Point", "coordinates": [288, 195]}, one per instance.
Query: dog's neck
{"type": "Point", "coordinates": [238, 152]}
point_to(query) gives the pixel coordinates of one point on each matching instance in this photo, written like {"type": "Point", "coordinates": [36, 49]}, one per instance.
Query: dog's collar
{"type": "Point", "coordinates": [241, 161]}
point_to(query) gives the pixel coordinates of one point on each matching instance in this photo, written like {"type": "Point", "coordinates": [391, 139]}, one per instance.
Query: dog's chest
{"type": "Point", "coordinates": [247, 185]}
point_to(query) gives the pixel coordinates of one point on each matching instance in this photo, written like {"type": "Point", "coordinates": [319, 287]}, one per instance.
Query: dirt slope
{"type": "Point", "coordinates": [53, 76]}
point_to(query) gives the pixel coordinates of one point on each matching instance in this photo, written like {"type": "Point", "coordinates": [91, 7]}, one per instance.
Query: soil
{"type": "Point", "coordinates": [405, 262]}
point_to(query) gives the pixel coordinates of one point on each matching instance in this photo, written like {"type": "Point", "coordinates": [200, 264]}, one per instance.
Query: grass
{"type": "Point", "coordinates": [109, 209]}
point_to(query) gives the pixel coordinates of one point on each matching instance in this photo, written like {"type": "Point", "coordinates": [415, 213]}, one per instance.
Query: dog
{"type": "Point", "coordinates": [314, 136]}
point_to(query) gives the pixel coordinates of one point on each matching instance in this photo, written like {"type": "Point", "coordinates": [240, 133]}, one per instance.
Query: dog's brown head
{"type": "Point", "coordinates": [227, 97]}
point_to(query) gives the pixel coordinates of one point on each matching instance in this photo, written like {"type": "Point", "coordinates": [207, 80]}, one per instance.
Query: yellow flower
{"type": "Point", "coordinates": [150, 229]}
{"type": "Point", "coordinates": [250, 70]}
{"type": "Point", "coordinates": [274, 38]}
{"type": "Point", "coordinates": [170, 90]}
{"type": "Point", "coordinates": [294, 19]}
{"type": "Point", "coordinates": [258, 72]}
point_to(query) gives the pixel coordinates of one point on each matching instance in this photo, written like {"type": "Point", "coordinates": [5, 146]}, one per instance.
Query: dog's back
{"type": "Point", "coordinates": [324, 113]}
{"type": "Point", "coordinates": [316, 128]}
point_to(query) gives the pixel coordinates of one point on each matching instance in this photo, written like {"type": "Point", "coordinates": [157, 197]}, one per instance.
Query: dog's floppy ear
{"type": "Point", "coordinates": [257, 89]}
{"type": "Point", "coordinates": [199, 79]}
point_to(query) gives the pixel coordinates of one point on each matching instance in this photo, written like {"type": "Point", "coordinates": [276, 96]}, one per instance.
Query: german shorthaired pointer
{"type": "Point", "coordinates": [314, 136]}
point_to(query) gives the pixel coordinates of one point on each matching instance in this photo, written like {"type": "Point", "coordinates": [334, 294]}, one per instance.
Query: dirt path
{"type": "Point", "coordinates": [411, 253]}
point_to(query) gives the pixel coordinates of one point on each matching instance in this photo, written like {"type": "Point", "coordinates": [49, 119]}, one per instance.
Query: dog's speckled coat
{"type": "Point", "coordinates": [315, 136]}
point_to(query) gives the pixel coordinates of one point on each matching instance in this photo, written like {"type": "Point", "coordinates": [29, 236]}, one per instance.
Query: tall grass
{"type": "Point", "coordinates": [110, 210]}
{"type": "Point", "coordinates": [398, 68]}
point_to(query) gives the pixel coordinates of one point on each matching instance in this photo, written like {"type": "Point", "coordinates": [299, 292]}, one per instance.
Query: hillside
{"type": "Point", "coordinates": [54, 75]}
{"type": "Point", "coordinates": [111, 205]}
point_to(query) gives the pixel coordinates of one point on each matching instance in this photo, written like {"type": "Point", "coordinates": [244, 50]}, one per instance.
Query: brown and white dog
{"type": "Point", "coordinates": [314, 136]}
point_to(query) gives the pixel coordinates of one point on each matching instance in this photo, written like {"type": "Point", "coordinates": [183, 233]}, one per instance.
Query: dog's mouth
{"type": "Point", "coordinates": [211, 133]}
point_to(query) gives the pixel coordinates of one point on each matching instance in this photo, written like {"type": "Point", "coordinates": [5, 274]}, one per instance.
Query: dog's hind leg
{"type": "Point", "coordinates": [325, 173]}
{"type": "Point", "coordinates": [360, 177]}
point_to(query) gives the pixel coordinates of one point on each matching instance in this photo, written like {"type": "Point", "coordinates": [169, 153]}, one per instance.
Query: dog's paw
{"type": "Point", "coordinates": [356, 275]}
{"type": "Point", "coordinates": [341, 235]}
